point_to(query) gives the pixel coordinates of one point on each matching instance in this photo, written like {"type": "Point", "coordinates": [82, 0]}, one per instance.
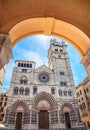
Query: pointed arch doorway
{"type": "Point", "coordinates": [44, 102]}
{"type": "Point", "coordinates": [43, 115]}
{"type": "Point", "coordinates": [67, 120]}
{"type": "Point", "coordinates": [43, 119]}
{"type": "Point", "coordinates": [67, 111]}
{"type": "Point", "coordinates": [18, 121]}
{"type": "Point", "coordinates": [20, 114]}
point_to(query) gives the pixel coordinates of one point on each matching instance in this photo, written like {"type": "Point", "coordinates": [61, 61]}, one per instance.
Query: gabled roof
{"type": "Point", "coordinates": [43, 68]}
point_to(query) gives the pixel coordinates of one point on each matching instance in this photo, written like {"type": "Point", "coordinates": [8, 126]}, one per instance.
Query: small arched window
{"type": "Point", "coordinates": [59, 56]}
{"type": "Point", "coordinates": [18, 64]}
{"type": "Point", "coordinates": [24, 64]}
{"type": "Point", "coordinates": [21, 91]}
{"type": "Point", "coordinates": [69, 93]}
{"type": "Point", "coordinates": [23, 80]}
{"type": "Point", "coordinates": [60, 92]}
{"type": "Point", "coordinates": [30, 65]}
{"type": "Point", "coordinates": [65, 93]}
{"type": "Point", "coordinates": [27, 91]}
{"type": "Point", "coordinates": [34, 90]}
{"type": "Point", "coordinates": [56, 49]}
{"type": "Point", "coordinates": [27, 65]}
{"type": "Point", "coordinates": [21, 64]}
{"type": "Point", "coordinates": [15, 92]}
{"type": "Point", "coordinates": [52, 90]}
{"type": "Point", "coordinates": [61, 50]}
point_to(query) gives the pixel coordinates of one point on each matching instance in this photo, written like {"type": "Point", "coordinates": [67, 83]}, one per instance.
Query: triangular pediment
{"type": "Point", "coordinates": [43, 68]}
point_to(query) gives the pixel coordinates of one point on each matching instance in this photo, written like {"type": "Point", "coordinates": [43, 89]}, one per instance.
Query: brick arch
{"type": "Point", "coordinates": [44, 96]}
{"type": "Point", "coordinates": [18, 103]}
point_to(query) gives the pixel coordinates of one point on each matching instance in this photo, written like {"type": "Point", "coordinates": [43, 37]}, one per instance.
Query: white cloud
{"type": "Point", "coordinates": [25, 55]}
{"type": "Point", "coordinates": [30, 56]}
{"type": "Point", "coordinates": [44, 41]}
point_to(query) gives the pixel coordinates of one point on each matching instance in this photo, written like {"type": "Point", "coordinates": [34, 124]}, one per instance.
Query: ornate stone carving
{"type": "Point", "coordinates": [44, 77]}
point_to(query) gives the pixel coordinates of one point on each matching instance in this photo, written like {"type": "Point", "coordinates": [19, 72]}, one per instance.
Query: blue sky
{"type": "Point", "coordinates": [35, 48]}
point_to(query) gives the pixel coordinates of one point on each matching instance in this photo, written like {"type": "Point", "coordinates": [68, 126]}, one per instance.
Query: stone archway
{"type": "Point", "coordinates": [19, 103]}
{"type": "Point", "coordinates": [43, 105]}
{"type": "Point", "coordinates": [69, 114]}
{"type": "Point", "coordinates": [44, 102]}
{"type": "Point", "coordinates": [68, 11]}
{"type": "Point", "coordinates": [17, 113]}
{"type": "Point", "coordinates": [51, 26]}
{"type": "Point", "coordinates": [47, 26]}
{"type": "Point", "coordinates": [66, 110]}
{"type": "Point", "coordinates": [44, 96]}
{"type": "Point", "coordinates": [67, 107]}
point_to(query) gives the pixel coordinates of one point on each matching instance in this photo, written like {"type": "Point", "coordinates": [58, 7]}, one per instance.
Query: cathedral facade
{"type": "Point", "coordinates": [43, 97]}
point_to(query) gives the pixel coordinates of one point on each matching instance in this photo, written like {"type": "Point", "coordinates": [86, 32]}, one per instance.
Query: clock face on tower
{"type": "Point", "coordinates": [43, 77]}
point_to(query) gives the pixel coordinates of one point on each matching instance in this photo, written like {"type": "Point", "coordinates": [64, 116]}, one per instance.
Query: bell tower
{"type": "Point", "coordinates": [59, 62]}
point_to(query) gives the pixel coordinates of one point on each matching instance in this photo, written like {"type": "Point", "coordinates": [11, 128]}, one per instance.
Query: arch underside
{"type": "Point", "coordinates": [50, 26]}
{"type": "Point", "coordinates": [68, 11]}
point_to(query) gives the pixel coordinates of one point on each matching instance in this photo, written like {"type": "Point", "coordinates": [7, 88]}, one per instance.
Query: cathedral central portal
{"type": "Point", "coordinates": [43, 119]}
{"type": "Point", "coordinates": [44, 109]}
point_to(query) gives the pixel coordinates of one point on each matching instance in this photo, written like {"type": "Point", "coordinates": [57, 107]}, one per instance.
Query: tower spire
{"type": "Point", "coordinates": [63, 42]}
